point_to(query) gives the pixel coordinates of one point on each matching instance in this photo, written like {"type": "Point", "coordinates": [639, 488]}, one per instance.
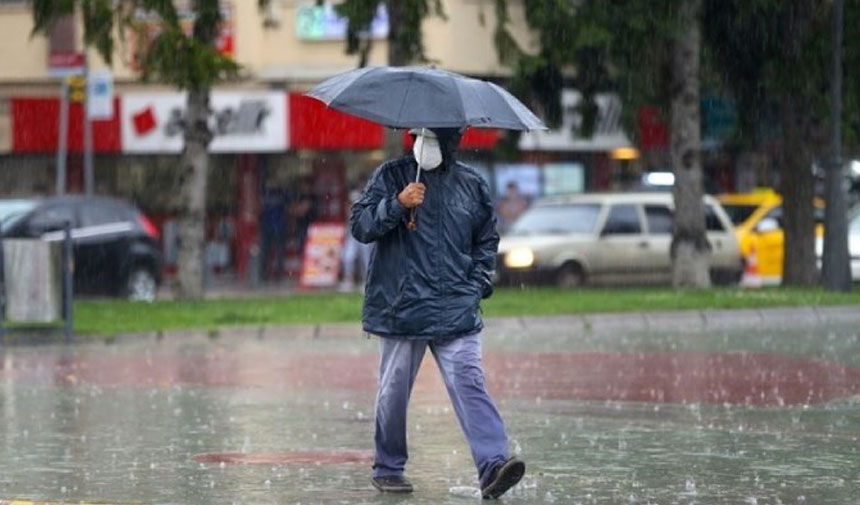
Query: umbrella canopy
{"type": "Point", "coordinates": [407, 97]}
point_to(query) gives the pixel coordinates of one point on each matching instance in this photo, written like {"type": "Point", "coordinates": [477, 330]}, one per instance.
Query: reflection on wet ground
{"type": "Point", "coordinates": [766, 417]}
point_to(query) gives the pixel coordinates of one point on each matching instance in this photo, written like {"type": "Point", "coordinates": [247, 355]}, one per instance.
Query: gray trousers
{"type": "Point", "coordinates": [459, 361]}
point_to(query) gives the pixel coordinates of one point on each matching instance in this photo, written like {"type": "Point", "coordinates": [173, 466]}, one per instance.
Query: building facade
{"type": "Point", "coordinates": [265, 128]}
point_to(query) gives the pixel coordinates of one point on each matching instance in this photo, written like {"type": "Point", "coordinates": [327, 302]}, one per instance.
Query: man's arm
{"type": "Point", "coordinates": [381, 207]}
{"type": "Point", "coordinates": [485, 244]}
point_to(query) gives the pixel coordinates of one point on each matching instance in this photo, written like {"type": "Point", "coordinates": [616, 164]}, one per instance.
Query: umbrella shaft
{"type": "Point", "coordinates": [420, 155]}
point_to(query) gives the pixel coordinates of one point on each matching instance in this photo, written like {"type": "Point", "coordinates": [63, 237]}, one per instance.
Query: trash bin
{"type": "Point", "coordinates": [33, 280]}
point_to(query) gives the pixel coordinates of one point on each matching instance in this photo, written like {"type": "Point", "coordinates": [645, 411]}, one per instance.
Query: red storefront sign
{"type": "Point", "coordinates": [67, 63]}
{"type": "Point", "coordinates": [313, 125]}
{"type": "Point", "coordinates": [35, 125]}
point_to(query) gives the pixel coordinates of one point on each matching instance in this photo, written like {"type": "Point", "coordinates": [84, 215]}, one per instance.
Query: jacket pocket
{"type": "Point", "coordinates": [400, 298]}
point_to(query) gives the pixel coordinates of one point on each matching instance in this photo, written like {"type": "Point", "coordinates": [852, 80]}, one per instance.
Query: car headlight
{"type": "Point", "coordinates": [521, 257]}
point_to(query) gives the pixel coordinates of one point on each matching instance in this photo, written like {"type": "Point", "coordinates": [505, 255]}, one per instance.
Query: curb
{"type": "Point", "coordinates": [695, 320]}
{"type": "Point", "coordinates": [27, 502]}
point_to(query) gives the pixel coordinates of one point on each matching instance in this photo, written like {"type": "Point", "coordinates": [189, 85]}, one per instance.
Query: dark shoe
{"type": "Point", "coordinates": [503, 478]}
{"type": "Point", "coordinates": [392, 484]}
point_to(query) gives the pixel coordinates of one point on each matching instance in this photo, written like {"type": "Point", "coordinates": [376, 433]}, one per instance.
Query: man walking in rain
{"type": "Point", "coordinates": [435, 248]}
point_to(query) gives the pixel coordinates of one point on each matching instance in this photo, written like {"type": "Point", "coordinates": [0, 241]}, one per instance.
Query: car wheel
{"type": "Point", "coordinates": [141, 285]}
{"type": "Point", "coordinates": [570, 275]}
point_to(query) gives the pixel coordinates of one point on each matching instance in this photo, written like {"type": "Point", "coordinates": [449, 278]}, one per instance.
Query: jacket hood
{"type": "Point", "coordinates": [449, 143]}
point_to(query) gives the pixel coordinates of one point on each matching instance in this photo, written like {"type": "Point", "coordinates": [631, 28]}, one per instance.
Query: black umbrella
{"type": "Point", "coordinates": [410, 97]}
{"type": "Point", "coordinates": [421, 97]}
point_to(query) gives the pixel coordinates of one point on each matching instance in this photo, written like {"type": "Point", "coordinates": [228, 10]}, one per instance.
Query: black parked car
{"type": "Point", "coordinates": [116, 247]}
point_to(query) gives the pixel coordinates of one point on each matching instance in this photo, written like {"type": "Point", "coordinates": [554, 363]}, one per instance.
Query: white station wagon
{"type": "Point", "coordinates": [607, 238]}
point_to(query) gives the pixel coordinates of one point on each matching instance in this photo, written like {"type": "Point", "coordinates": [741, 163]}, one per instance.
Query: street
{"type": "Point", "coordinates": [601, 413]}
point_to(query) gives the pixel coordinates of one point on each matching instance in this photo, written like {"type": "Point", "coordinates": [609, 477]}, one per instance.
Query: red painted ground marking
{"type": "Point", "coordinates": [287, 458]}
{"type": "Point", "coordinates": [755, 379]}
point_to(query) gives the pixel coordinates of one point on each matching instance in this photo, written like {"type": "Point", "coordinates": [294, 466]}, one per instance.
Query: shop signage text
{"type": "Point", "coordinates": [240, 121]}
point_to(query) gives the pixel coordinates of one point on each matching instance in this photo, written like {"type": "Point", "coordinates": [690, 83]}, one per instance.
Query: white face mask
{"type": "Point", "coordinates": [427, 152]}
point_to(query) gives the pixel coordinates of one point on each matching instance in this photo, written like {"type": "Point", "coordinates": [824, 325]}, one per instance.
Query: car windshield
{"type": "Point", "coordinates": [11, 210]}
{"type": "Point", "coordinates": [557, 219]}
{"type": "Point", "coordinates": [739, 213]}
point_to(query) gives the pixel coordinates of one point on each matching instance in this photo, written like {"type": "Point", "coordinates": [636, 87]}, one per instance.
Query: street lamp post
{"type": "Point", "coordinates": [836, 271]}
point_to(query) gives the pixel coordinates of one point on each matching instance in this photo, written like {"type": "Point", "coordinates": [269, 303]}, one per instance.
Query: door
{"type": "Point", "coordinates": [768, 239]}
{"type": "Point", "coordinates": [656, 257]}
{"type": "Point", "coordinates": [621, 246]}
{"type": "Point", "coordinates": [102, 245]}
{"type": "Point", "coordinates": [724, 253]}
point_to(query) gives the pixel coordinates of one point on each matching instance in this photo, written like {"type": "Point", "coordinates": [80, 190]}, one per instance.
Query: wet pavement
{"type": "Point", "coordinates": [602, 412]}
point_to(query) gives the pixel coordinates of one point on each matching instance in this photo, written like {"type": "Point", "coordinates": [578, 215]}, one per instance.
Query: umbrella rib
{"type": "Point", "coordinates": [405, 95]}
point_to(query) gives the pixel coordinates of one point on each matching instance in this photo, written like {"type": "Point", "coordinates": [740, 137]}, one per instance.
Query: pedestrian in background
{"type": "Point", "coordinates": [273, 229]}
{"type": "Point", "coordinates": [356, 255]}
{"type": "Point", "coordinates": [511, 205]}
{"type": "Point", "coordinates": [423, 291]}
{"type": "Point", "coordinates": [303, 209]}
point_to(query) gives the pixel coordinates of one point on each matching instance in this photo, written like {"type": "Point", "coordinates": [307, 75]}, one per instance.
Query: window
{"type": "Point", "coordinates": [776, 213]}
{"type": "Point", "coordinates": [818, 215]}
{"type": "Point", "coordinates": [622, 220]}
{"type": "Point", "coordinates": [659, 219]}
{"type": "Point", "coordinates": [51, 219]}
{"type": "Point", "coordinates": [557, 219]}
{"type": "Point", "coordinates": [712, 221]}
{"type": "Point", "coordinates": [739, 213]}
{"type": "Point", "coordinates": [94, 215]}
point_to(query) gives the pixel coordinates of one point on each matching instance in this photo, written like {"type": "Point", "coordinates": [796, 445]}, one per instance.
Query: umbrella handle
{"type": "Point", "coordinates": [412, 224]}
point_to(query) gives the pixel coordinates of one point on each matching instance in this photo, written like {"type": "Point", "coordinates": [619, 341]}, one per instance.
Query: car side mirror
{"type": "Point", "coordinates": [767, 224]}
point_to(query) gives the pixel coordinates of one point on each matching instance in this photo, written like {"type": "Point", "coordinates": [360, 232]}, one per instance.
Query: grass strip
{"type": "Point", "coordinates": [110, 317]}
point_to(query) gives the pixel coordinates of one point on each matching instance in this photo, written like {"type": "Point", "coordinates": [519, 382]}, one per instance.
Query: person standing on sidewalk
{"type": "Point", "coordinates": [423, 290]}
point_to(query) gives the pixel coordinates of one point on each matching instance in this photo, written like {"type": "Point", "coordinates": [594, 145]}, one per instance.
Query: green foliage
{"type": "Point", "coordinates": [593, 46]}
{"type": "Point", "coordinates": [851, 78]}
{"type": "Point", "coordinates": [405, 17]}
{"type": "Point", "coordinates": [186, 60]}
{"type": "Point", "coordinates": [764, 49]}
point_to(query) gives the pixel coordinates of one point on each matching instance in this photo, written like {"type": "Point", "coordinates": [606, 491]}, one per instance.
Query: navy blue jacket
{"type": "Point", "coordinates": [426, 283]}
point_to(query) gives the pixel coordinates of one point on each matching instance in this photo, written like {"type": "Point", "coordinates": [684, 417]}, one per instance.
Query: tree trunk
{"type": "Point", "coordinates": [397, 53]}
{"type": "Point", "coordinates": [397, 57]}
{"type": "Point", "coordinates": [797, 181]}
{"type": "Point", "coordinates": [691, 252]}
{"type": "Point", "coordinates": [798, 185]}
{"type": "Point", "coordinates": [194, 171]}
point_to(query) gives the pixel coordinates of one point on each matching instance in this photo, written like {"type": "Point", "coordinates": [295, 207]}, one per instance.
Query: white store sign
{"type": "Point", "coordinates": [100, 94]}
{"type": "Point", "coordinates": [608, 133]}
{"type": "Point", "coordinates": [247, 121]}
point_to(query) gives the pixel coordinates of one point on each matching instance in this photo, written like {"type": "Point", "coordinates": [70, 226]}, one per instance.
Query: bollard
{"type": "Point", "coordinates": [68, 267]}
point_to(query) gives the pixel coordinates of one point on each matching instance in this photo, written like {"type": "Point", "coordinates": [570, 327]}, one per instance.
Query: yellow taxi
{"type": "Point", "coordinates": [757, 217]}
